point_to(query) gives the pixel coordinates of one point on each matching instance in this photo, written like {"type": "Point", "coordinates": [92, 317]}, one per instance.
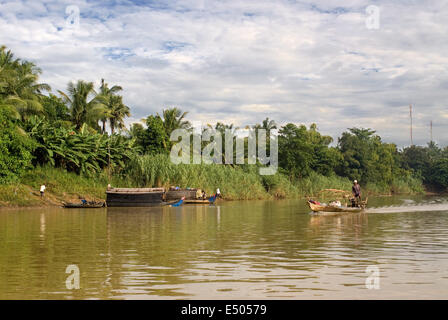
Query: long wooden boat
{"type": "Point", "coordinates": [84, 205]}
{"type": "Point", "coordinates": [135, 197]}
{"type": "Point", "coordinates": [327, 208]}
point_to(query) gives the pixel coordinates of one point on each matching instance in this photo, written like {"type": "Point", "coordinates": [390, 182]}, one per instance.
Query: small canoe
{"type": "Point", "coordinates": [178, 203]}
{"type": "Point", "coordinates": [84, 205]}
{"type": "Point", "coordinates": [326, 208]}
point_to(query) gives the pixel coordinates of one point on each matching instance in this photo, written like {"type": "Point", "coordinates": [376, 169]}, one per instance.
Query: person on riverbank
{"type": "Point", "coordinates": [42, 190]}
{"type": "Point", "coordinates": [218, 193]}
{"type": "Point", "coordinates": [356, 191]}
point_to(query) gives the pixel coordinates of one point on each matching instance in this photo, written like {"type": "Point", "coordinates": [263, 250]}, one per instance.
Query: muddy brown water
{"type": "Point", "coordinates": [233, 250]}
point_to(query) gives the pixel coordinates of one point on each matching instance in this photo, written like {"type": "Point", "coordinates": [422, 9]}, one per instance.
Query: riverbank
{"type": "Point", "coordinates": [235, 183]}
{"type": "Point", "coordinates": [61, 187]}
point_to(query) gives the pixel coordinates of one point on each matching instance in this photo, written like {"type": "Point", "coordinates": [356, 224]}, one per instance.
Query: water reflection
{"type": "Point", "coordinates": [234, 250]}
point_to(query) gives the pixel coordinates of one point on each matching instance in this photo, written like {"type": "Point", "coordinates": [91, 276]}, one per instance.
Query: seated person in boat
{"type": "Point", "coordinates": [356, 191]}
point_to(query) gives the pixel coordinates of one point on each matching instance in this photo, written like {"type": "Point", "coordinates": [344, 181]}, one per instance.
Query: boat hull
{"type": "Point", "coordinates": [144, 197]}
{"type": "Point", "coordinates": [198, 201]}
{"type": "Point", "coordinates": [321, 208]}
{"type": "Point", "coordinates": [83, 206]}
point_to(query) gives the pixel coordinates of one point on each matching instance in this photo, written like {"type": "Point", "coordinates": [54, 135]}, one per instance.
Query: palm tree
{"type": "Point", "coordinates": [117, 111]}
{"type": "Point", "coordinates": [8, 106]}
{"type": "Point", "coordinates": [19, 84]}
{"type": "Point", "coordinates": [266, 124]}
{"type": "Point", "coordinates": [85, 106]}
{"type": "Point", "coordinates": [105, 96]}
{"type": "Point", "coordinates": [173, 118]}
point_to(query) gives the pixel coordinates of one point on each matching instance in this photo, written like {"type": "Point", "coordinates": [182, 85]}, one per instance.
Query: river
{"type": "Point", "coordinates": [398, 249]}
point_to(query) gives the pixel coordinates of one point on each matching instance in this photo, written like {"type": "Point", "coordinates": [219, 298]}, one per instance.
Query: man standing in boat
{"type": "Point", "coordinates": [356, 191]}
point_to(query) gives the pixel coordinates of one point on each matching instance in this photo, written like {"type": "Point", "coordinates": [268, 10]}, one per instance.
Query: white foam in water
{"type": "Point", "coordinates": [424, 207]}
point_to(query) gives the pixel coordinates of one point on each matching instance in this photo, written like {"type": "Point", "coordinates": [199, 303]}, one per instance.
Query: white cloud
{"type": "Point", "coordinates": [240, 61]}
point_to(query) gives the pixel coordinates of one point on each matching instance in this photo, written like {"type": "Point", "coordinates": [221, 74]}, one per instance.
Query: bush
{"type": "Point", "coordinates": [15, 149]}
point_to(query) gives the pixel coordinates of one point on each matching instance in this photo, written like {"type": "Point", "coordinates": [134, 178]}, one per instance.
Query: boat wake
{"type": "Point", "coordinates": [423, 207]}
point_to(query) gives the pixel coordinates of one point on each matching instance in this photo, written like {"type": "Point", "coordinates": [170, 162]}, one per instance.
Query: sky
{"type": "Point", "coordinates": [339, 64]}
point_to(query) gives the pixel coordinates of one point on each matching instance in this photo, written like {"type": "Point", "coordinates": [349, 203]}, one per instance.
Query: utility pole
{"type": "Point", "coordinates": [430, 125]}
{"type": "Point", "coordinates": [108, 153]}
{"type": "Point", "coordinates": [410, 116]}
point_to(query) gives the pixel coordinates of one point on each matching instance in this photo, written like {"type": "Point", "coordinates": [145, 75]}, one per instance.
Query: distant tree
{"type": "Point", "coordinates": [19, 84]}
{"type": "Point", "coordinates": [172, 119]}
{"type": "Point", "coordinates": [267, 124]}
{"type": "Point", "coordinates": [156, 139]}
{"type": "Point", "coordinates": [114, 110]}
{"type": "Point", "coordinates": [118, 111]}
{"type": "Point", "coordinates": [137, 132]}
{"type": "Point", "coordinates": [367, 158]}
{"type": "Point", "coordinates": [15, 149]}
{"type": "Point", "coordinates": [55, 109]}
{"type": "Point", "coordinates": [295, 153]}
{"type": "Point", "coordinates": [417, 159]}
{"type": "Point", "coordinates": [427, 162]}
{"type": "Point", "coordinates": [84, 105]}
{"type": "Point", "coordinates": [439, 173]}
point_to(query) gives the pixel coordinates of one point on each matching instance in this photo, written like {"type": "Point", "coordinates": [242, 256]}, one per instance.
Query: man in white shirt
{"type": "Point", "coordinates": [42, 190]}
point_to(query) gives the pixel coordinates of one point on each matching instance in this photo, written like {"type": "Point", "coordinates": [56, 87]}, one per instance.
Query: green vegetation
{"type": "Point", "coordinates": [15, 149]}
{"type": "Point", "coordinates": [62, 140]}
{"type": "Point", "coordinates": [429, 163]}
{"type": "Point", "coordinates": [62, 186]}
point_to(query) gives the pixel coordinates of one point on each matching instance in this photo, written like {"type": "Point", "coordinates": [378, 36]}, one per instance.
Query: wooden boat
{"type": "Point", "coordinates": [328, 208]}
{"type": "Point", "coordinates": [176, 194]}
{"type": "Point", "coordinates": [84, 205]}
{"type": "Point", "coordinates": [135, 197]}
{"type": "Point", "coordinates": [197, 201]}
{"type": "Point", "coordinates": [209, 200]}
{"type": "Point", "coordinates": [150, 197]}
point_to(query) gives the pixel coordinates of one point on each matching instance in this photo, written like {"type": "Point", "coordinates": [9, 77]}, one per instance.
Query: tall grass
{"type": "Point", "coordinates": [17, 195]}
{"type": "Point", "coordinates": [234, 182]}
{"type": "Point", "coordinates": [244, 182]}
{"type": "Point", "coordinates": [241, 182]}
{"type": "Point", "coordinates": [407, 184]}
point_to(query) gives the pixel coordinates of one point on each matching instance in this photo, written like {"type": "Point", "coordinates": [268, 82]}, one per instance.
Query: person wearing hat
{"type": "Point", "coordinates": [356, 191]}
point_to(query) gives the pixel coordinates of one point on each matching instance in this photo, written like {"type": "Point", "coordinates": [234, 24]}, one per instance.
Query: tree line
{"type": "Point", "coordinates": [67, 129]}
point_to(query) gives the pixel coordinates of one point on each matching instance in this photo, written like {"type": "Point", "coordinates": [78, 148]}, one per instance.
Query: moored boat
{"type": "Point", "coordinates": [91, 204]}
{"type": "Point", "coordinates": [209, 200]}
{"type": "Point", "coordinates": [150, 197]}
{"type": "Point", "coordinates": [135, 197]}
{"type": "Point", "coordinates": [176, 194]}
